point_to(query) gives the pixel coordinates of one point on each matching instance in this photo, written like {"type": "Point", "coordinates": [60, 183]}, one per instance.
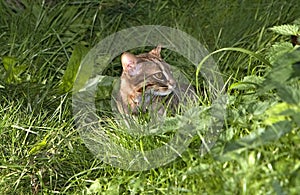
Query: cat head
{"type": "Point", "coordinates": [148, 72]}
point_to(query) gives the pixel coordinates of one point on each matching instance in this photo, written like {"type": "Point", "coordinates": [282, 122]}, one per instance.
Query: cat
{"type": "Point", "coordinates": [147, 84]}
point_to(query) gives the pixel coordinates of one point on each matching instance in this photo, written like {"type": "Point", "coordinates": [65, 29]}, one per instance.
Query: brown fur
{"type": "Point", "coordinates": [147, 83]}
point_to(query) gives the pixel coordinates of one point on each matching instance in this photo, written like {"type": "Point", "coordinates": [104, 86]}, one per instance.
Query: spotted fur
{"type": "Point", "coordinates": [147, 84]}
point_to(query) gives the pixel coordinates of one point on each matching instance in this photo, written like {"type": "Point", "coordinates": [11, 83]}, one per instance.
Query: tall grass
{"type": "Point", "coordinates": [41, 150]}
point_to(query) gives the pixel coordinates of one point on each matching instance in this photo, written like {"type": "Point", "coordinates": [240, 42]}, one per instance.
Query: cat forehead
{"type": "Point", "coordinates": [149, 56]}
{"type": "Point", "coordinates": [153, 65]}
{"type": "Point", "coordinates": [150, 60]}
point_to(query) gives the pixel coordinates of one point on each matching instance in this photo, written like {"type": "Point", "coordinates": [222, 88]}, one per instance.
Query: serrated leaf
{"type": "Point", "coordinates": [277, 50]}
{"type": "Point", "coordinates": [259, 108]}
{"type": "Point", "coordinates": [282, 71]}
{"type": "Point", "coordinates": [257, 138]}
{"type": "Point", "coordinates": [288, 94]}
{"type": "Point", "coordinates": [286, 29]}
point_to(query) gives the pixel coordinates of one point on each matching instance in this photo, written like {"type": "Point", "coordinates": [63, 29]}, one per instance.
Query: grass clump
{"type": "Point", "coordinates": [42, 151]}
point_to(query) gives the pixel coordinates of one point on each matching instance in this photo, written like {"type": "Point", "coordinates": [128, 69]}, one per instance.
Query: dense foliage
{"type": "Point", "coordinates": [42, 44]}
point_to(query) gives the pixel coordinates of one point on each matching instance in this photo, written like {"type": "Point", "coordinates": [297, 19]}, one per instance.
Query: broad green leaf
{"type": "Point", "coordinates": [283, 70]}
{"type": "Point", "coordinates": [260, 107]}
{"type": "Point", "coordinates": [87, 68]}
{"type": "Point", "coordinates": [288, 94]}
{"type": "Point", "coordinates": [282, 111]}
{"type": "Point", "coordinates": [278, 49]}
{"type": "Point", "coordinates": [274, 113]}
{"type": "Point", "coordinates": [69, 76]}
{"type": "Point", "coordinates": [294, 113]}
{"type": "Point", "coordinates": [296, 69]}
{"type": "Point", "coordinates": [286, 29]}
{"type": "Point", "coordinates": [296, 116]}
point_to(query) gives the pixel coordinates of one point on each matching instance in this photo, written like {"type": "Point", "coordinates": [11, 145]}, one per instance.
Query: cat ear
{"type": "Point", "coordinates": [156, 51]}
{"type": "Point", "coordinates": [129, 62]}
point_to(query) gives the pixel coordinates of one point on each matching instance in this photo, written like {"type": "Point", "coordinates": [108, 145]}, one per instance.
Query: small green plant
{"type": "Point", "coordinates": [42, 152]}
{"type": "Point", "coordinates": [13, 70]}
{"type": "Point", "coordinates": [280, 48]}
{"type": "Point", "coordinates": [278, 111]}
{"type": "Point", "coordinates": [284, 77]}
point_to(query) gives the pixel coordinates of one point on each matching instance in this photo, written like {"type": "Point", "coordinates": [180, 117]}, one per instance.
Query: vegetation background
{"type": "Point", "coordinates": [41, 150]}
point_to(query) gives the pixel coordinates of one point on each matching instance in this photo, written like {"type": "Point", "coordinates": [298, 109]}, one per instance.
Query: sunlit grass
{"type": "Point", "coordinates": [41, 149]}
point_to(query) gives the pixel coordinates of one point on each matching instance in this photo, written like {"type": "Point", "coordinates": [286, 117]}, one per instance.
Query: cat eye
{"type": "Point", "coordinates": [159, 75]}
